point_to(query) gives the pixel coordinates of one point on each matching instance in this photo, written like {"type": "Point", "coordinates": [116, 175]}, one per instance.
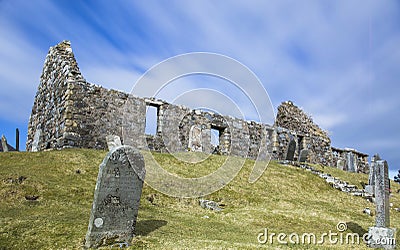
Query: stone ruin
{"type": "Point", "coordinates": [349, 159]}
{"type": "Point", "coordinates": [70, 112]}
{"type": "Point", "coordinates": [304, 132]}
{"type": "Point", "coordinates": [297, 137]}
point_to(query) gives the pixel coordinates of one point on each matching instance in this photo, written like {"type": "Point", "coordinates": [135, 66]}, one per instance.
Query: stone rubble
{"type": "Point", "coordinates": [333, 181]}
{"type": "Point", "coordinates": [212, 205]}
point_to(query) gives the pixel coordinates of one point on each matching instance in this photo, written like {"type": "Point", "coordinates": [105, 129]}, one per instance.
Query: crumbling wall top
{"type": "Point", "coordinates": [295, 119]}
{"type": "Point", "coordinates": [61, 58]}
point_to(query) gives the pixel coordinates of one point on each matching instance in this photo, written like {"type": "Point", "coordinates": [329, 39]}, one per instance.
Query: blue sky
{"type": "Point", "coordinates": [338, 60]}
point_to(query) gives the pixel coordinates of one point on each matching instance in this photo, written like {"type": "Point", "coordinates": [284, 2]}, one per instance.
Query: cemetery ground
{"type": "Point", "coordinates": [46, 198]}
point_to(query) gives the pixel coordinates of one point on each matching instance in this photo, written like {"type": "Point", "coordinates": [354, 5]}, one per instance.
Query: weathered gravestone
{"type": "Point", "coordinates": [382, 194]}
{"type": "Point", "coordinates": [36, 139]}
{"type": "Point", "coordinates": [4, 143]}
{"type": "Point", "coordinates": [303, 155]}
{"type": "Point", "coordinates": [195, 139]}
{"type": "Point", "coordinates": [116, 198]}
{"type": "Point", "coordinates": [17, 139]}
{"type": "Point", "coordinates": [290, 150]}
{"type": "Point", "coordinates": [350, 162]}
{"type": "Point", "coordinates": [340, 164]}
{"type": "Point", "coordinates": [113, 141]}
{"type": "Point", "coordinates": [381, 236]}
{"type": "Point", "coordinates": [370, 188]}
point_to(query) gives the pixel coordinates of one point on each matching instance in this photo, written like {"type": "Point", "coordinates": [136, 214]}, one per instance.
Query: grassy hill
{"type": "Point", "coordinates": [285, 199]}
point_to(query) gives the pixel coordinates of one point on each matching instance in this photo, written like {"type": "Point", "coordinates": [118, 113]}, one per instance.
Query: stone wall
{"type": "Point", "coordinates": [294, 124]}
{"type": "Point", "coordinates": [183, 129]}
{"type": "Point", "coordinates": [291, 117]}
{"type": "Point", "coordinates": [70, 112]}
{"type": "Point", "coordinates": [349, 159]}
{"type": "Point", "coordinates": [48, 118]}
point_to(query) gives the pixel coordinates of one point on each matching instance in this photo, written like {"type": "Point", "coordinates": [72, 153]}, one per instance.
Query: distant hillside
{"type": "Point", "coordinates": [285, 199]}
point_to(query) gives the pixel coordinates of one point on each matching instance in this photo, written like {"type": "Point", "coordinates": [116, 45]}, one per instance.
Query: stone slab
{"type": "Point", "coordinates": [303, 155]}
{"type": "Point", "coordinates": [113, 141]}
{"type": "Point", "coordinates": [340, 164]}
{"type": "Point", "coordinates": [116, 198]}
{"type": "Point", "coordinates": [381, 237]}
{"type": "Point", "coordinates": [36, 139]}
{"type": "Point", "coordinates": [370, 189]}
{"type": "Point", "coordinates": [291, 150]}
{"type": "Point", "coordinates": [382, 194]}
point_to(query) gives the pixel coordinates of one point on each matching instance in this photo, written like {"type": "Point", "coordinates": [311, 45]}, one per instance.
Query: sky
{"type": "Point", "coordinates": [337, 60]}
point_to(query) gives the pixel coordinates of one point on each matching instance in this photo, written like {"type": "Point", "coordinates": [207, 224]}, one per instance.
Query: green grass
{"type": "Point", "coordinates": [285, 199]}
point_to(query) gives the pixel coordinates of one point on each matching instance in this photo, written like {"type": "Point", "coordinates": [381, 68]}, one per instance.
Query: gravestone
{"type": "Point", "coordinates": [4, 143]}
{"type": "Point", "coordinates": [381, 236]}
{"type": "Point", "coordinates": [36, 139]}
{"type": "Point", "coordinates": [195, 142]}
{"type": "Point", "coordinates": [303, 155]}
{"type": "Point", "coordinates": [355, 163]}
{"type": "Point", "coordinates": [382, 194]}
{"type": "Point", "coordinates": [340, 164]}
{"type": "Point", "coordinates": [17, 139]}
{"type": "Point", "coordinates": [113, 141]}
{"type": "Point", "coordinates": [350, 162]}
{"type": "Point", "coordinates": [290, 150]}
{"type": "Point", "coordinates": [116, 198]}
{"type": "Point", "coordinates": [370, 188]}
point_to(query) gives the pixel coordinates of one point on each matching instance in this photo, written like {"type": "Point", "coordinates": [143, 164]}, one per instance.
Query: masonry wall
{"type": "Point", "coordinates": [70, 112]}
{"type": "Point", "coordinates": [182, 129]}
{"type": "Point", "coordinates": [350, 160]}
{"type": "Point", "coordinates": [94, 112]}
{"type": "Point", "coordinates": [293, 124]}
{"type": "Point", "coordinates": [46, 126]}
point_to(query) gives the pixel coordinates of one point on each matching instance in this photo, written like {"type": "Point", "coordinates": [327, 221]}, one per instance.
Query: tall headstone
{"type": "Point", "coordinates": [340, 164]}
{"type": "Point", "coordinates": [290, 150]}
{"type": "Point", "coordinates": [370, 188]}
{"type": "Point", "coordinates": [116, 198]}
{"type": "Point", "coordinates": [195, 139]}
{"type": "Point", "coordinates": [113, 141]}
{"type": "Point", "coordinates": [350, 162]}
{"type": "Point", "coordinates": [381, 236]}
{"type": "Point", "coordinates": [382, 194]}
{"type": "Point", "coordinates": [36, 139]}
{"type": "Point", "coordinates": [303, 155]}
{"type": "Point", "coordinates": [355, 162]}
{"type": "Point", "coordinates": [17, 139]}
{"type": "Point", "coordinates": [4, 143]}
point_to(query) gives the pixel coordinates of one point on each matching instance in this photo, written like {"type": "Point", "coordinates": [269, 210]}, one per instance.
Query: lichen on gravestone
{"type": "Point", "coordinates": [381, 235]}
{"type": "Point", "coordinates": [116, 198]}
